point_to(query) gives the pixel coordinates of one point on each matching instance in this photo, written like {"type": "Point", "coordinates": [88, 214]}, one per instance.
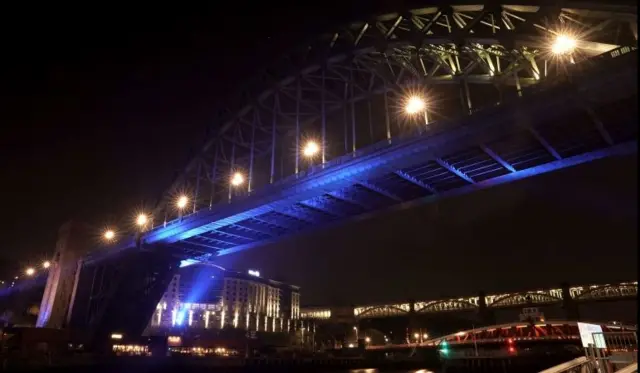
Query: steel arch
{"type": "Point", "coordinates": [446, 305]}
{"type": "Point", "coordinates": [382, 310]}
{"type": "Point", "coordinates": [608, 291]}
{"type": "Point", "coordinates": [533, 297]}
{"type": "Point", "coordinates": [464, 46]}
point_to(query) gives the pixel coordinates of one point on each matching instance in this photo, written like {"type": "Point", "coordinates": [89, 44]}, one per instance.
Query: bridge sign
{"type": "Point", "coordinates": [587, 337]}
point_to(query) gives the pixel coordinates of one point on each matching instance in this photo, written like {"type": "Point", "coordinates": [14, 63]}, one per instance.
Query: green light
{"type": "Point", "coordinates": [444, 348]}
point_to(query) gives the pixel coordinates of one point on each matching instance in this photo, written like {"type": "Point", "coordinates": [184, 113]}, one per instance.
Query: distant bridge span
{"type": "Point", "coordinates": [619, 291]}
{"type": "Point", "coordinates": [552, 330]}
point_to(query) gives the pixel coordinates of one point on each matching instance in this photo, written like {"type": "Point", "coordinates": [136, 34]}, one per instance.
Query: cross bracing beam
{"type": "Point", "coordinates": [260, 227]}
{"type": "Point", "coordinates": [454, 170]}
{"type": "Point", "coordinates": [497, 158]}
{"type": "Point", "coordinates": [514, 40]}
{"type": "Point", "coordinates": [242, 233]}
{"type": "Point", "coordinates": [322, 203]}
{"type": "Point", "coordinates": [349, 196]}
{"type": "Point", "coordinates": [380, 191]}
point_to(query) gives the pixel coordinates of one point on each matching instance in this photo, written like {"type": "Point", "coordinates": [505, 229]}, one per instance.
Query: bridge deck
{"type": "Point", "coordinates": [556, 126]}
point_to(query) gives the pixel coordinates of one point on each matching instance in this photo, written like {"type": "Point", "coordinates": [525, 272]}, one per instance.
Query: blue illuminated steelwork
{"type": "Point", "coordinates": [534, 113]}
{"type": "Point", "coordinates": [450, 159]}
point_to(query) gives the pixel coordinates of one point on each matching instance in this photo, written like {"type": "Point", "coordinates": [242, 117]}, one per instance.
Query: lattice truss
{"type": "Point", "coordinates": [347, 90]}
{"type": "Point", "coordinates": [521, 332]}
{"type": "Point", "coordinates": [623, 290]}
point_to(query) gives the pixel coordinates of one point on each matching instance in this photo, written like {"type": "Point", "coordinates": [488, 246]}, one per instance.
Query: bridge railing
{"type": "Point", "coordinates": [578, 365]}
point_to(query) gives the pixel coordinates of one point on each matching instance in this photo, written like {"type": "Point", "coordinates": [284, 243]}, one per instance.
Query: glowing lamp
{"type": "Point", "coordinates": [415, 105]}
{"type": "Point", "coordinates": [182, 202]}
{"type": "Point", "coordinates": [237, 179]}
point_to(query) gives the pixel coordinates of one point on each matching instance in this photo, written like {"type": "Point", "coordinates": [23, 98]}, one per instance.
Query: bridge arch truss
{"type": "Point", "coordinates": [580, 294]}
{"type": "Point", "coordinates": [346, 90]}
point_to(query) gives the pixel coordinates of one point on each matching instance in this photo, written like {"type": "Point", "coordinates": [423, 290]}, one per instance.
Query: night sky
{"type": "Point", "coordinates": [100, 107]}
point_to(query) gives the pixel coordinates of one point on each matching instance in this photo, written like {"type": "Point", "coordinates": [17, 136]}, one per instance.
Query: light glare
{"type": "Point", "coordinates": [310, 149]}
{"type": "Point", "coordinates": [109, 235]}
{"type": "Point", "coordinates": [46, 264]}
{"type": "Point", "coordinates": [142, 219]}
{"type": "Point", "coordinates": [30, 271]}
{"type": "Point", "coordinates": [563, 44]}
{"type": "Point", "coordinates": [182, 202]}
{"type": "Point", "coordinates": [237, 179]}
{"type": "Point", "coordinates": [415, 105]}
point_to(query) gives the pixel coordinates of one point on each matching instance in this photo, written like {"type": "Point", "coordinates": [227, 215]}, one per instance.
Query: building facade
{"type": "Point", "coordinates": [209, 297]}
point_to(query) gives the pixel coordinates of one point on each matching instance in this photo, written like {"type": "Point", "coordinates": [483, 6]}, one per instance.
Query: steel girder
{"type": "Point", "coordinates": [624, 290]}
{"type": "Point", "coordinates": [462, 56]}
{"type": "Point", "coordinates": [545, 130]}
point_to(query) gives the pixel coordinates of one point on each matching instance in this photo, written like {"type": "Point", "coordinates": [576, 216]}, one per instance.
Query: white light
{"type": "Point", "coordinates": [30, 271]}
{"type": "Point", "coordinates": [415, 105]}
{"type": "Point", "coordinates": [563, 44]}
{"type": "Point", "coordinates": [253, 272]}
{"type": "Point", "coordinates": [310, 149]}
{"type": "Point", "coordinates": [116, 336]}
{"type": "Point", "coordinates": [425, 336]}
{"type": "Point", "coordinates": [237, 179]}
{"type": "Point", "coordinates": [109, 235]}
{"type": "Point", "coordinates": [46, 264]}
{"type": "Point", "coordinates": [416, 336]}
{"type": "Point", "coordinates": [142, 219]}
{"type": "Point", "coordinates": [368, 340]}
{"type": "Point", "coordinates": [182, 202]}
{"type": "Point", "coordinates": [351, 345]}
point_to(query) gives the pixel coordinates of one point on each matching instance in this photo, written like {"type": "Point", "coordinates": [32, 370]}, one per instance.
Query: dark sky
{"type": "Point", "coordinates": [100, 106]}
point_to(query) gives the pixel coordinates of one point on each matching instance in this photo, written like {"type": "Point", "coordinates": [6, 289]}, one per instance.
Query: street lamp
{"type": "Point", "coordinates": [310, 149]}
{"type": "Point", "coordinates": [141, 220]}
{"type": "Point", "coordinates": [415, 105]}
{"type": "Point", "coordinates": [46, 264]}
{"type": "Point", "coordinates": [182, 202]}
{"type": "Point", "coordinates": [30, 271]}
{"type": "Point", "coordinates": [563, 45]}
{"type": "Point", "coordinates": [109, 235]}
{"type": "Point", "coordinates": [367, 339]}
{"type": "Point", "coordinates": [237, 179]}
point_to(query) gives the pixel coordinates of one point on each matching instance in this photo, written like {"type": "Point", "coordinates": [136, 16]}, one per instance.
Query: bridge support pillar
{"type": "Point", "coordinates": [569, 304]}
{"type": "Point", "coordinates": [120, 293]}
{"type": "Point", "coordinates": [74, 240]}
{"type": "Point", "coordinates": [486, 315]}
{"type": "Point", "coordinates": [413, 323]}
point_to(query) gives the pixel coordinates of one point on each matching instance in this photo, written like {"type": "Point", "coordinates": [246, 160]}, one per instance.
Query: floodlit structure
{"type": "Point", "coordinates": [209, 297]}
{"type": "Point", "coordinates": [502, 107]}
